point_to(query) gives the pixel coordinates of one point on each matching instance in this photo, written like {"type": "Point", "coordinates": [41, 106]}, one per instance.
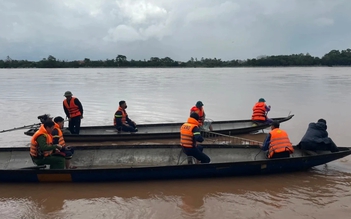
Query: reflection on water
{"type": "Point", "coordinates": [301, 194]}
{"type": "Point", "coordinates": [166, 95]}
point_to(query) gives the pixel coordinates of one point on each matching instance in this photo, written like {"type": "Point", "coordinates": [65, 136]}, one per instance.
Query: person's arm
{"type": "Point", "coordinates": [43, 146]}
{"type": "Point", "coordinates": [266, 143]}
{"type": "Point", "coordinates": [118, 116]}
{"type": "Point", "coordinates": [268, 108]}
{"type": "Point", "coordinates": [128, 120]}
{"type": "Point", "coordinates": [55, 136]}
{"type": "Point", "coordinates": [66, 110]}
{"type": "Point", "coordinates": [80, 106]}
{"type": "Point", "coordinates": [197, 135]}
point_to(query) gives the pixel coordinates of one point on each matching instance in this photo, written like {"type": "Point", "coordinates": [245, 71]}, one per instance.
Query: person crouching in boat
{"type": "Point", "coordinates": [277, 143]}
{"type": "Point", "coordinates": [42, 148]}
{"type": "Point", "coordinates": [316, 138]}
{"type": "Point", "coordinates": [199, 109]}
{"type": "Point", "coordinates": [189, 136]}
{"type": "Point", "coordinates": [121, 120]}
{"type": "Point", "coordinates": [260, 111]}
{"type": "Point", "coordinates": [57, 136]}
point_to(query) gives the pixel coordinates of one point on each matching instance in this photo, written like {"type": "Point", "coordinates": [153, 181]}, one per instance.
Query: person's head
{"type": "Point", "coordinates": [194, 116]}
{"type": "Point", "coordinates": [44, 118]}
{"type": "Point", "coordinates": [322, 121]}
{"type": "Point", "coordinates": [275, 125]}
{"type": "Point", "coordinates": [261, 100]}
{"type": "Point", "coordinates": [199, 104]}
{"type": "Point", "coordinates": [60, 121]}
{"type": "Point", "coordinates": [123, 104]}
{"type": "Point", "coordinates": [49, 126]}
{"type": "Point", "coordinates": [68, 95]}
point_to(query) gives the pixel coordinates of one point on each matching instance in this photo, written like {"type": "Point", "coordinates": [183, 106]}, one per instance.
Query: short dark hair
{"type": "Point", "coordinates": [194, 116]}
{"type": "Point", "coordinates": [275, 124]}
{"type": "Point", "coordinates": [59, 119]}
{"type": "Point", "coordinates": [121, 102]}
{"type": "Point", "coordinates": [49, 124]}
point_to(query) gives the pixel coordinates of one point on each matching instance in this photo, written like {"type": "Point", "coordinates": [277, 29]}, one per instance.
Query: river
{"type": "Point", "coordinates": [166, 95]}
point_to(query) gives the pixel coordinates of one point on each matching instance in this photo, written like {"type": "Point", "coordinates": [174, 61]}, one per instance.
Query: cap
{"type": "Point", "coordinates": [261, 100]}
{"type": "Point", "coordinates": [68, 94]}
{"type": "Point", "coordinates": [199, 104]}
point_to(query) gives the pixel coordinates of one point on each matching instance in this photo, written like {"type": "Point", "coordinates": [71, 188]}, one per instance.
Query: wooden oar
{"type": "Point", "coordinates": [18, 128]}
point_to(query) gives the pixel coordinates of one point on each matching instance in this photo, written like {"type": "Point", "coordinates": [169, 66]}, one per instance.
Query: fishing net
{"type": "Point", "coordinates": [206, 125]}
{"type": "Point", "coordinates": [217, 138]}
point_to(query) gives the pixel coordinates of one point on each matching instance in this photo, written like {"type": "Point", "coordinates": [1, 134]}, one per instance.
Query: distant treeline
{"type": "Point", "coordinates": [333, 58]}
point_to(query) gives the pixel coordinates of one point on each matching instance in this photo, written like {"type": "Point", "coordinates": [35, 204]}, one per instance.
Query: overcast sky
{"type": "Point", "coordinates": [180, 29]}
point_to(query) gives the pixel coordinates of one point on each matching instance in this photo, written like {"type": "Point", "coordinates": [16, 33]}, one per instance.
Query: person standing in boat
{"type": "Point", "coordinates": [277, 143]}
{"type": "Point", "coordinates": [74, 112]}
{"type": "Point", "coordinates": [316, 138]}
{"type": "Point", "coordinates": [121, 120]}
{"type": "Point", "coordinates": [42, 148]}
{"type": "Point", "coordinates": [57, 136]}
{"type": "Point", "coordinates": [199, 109]}
{"type": "Point", "coordinates": [189, 136]}
{"type": "Point", "coordinates": [260, 111]}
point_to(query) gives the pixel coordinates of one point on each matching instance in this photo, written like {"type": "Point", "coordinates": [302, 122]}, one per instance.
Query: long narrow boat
{"type": "Point", "coordinates": [123, 163]}
{"type": "Point", "coordinates": [159, 131]}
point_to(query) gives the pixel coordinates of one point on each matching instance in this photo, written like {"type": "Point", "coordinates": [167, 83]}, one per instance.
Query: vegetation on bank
{"type": "Point", "coordinates": [333, 58]}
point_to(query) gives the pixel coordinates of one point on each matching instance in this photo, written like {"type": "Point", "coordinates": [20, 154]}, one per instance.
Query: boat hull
{"type": "Point", "coordinates": [159, 131]}
{"type": "Point", "coordinates": [250, 162]}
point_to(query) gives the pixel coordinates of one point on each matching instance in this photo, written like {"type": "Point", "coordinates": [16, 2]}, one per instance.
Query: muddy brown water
{"type": "Point", "coordinates": [166, 95]}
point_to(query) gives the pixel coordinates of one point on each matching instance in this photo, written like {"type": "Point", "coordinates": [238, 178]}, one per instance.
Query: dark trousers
{"type": "Point", "coordinates": [55, 162]}
{"type": "Point", "coordinates": [267, 121]}
{"type": "Point", "coordinates": [281, 155]}
{"type": "Point", "coordinates": [74, 125]}
{"type": "Point", "coordinates": [130, 128]}
{"type": "Point", "coordinates": [197, 153]}
{"type": "Point", "coordinates": [319, 146]}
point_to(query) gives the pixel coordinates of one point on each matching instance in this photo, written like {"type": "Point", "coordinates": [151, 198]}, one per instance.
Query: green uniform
{"type": "Point", "coordinates": [55, 162]}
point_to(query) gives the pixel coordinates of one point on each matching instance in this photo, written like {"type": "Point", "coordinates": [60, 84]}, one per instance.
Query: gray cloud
{"type": "Point", "coordinates": [140, 29]}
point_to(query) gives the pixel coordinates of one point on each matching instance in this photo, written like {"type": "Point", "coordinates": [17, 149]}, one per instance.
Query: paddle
{"type": "Point", "coordinates": [33, 167]}
{"type": "Point", "coordinates": [18, 128]}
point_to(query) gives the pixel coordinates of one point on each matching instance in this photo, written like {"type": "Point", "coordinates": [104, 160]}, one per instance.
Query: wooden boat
{"type": "Point", "coordinates": [147, 162]}
{"type": "Point", "coordinates": [159, 131]}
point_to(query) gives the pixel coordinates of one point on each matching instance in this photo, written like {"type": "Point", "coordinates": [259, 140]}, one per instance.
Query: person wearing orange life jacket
{"type": "Point", "coordinates": [121, 120]}
{"type": "Point", "coordinates": [74, 111]}
{"type": "Point", "coordinates": [42, 148]}
{"type": "Point", "coordinates": [260, 111]}
{"type": "Point", "coordinates": [57, 136]}
{"type": "Point", "coordinates": [189, 136]}
{"type": "Point", "coordinates": [199, 109]}
{"type": "Point", "coordinates": [277, 143]}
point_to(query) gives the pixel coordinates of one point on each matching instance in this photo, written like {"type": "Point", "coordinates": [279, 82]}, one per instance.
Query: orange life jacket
{"type": "Point", "coordinates": [34, 150]}
{"type": "Point", "coordinates": [280, 142]}
{"type": "Point", "coordinates": [59, 135]}
{"type": "Point", "coordinates": [186, 133]}
{"type": "Point", "coordinates": [259, 112]}
{"type": "Point", "coordinates": [199, 112]}
{"type": "Point", "coordinates": [124, 116]}
{"type": "Point", "coordinates": [73, 109]}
